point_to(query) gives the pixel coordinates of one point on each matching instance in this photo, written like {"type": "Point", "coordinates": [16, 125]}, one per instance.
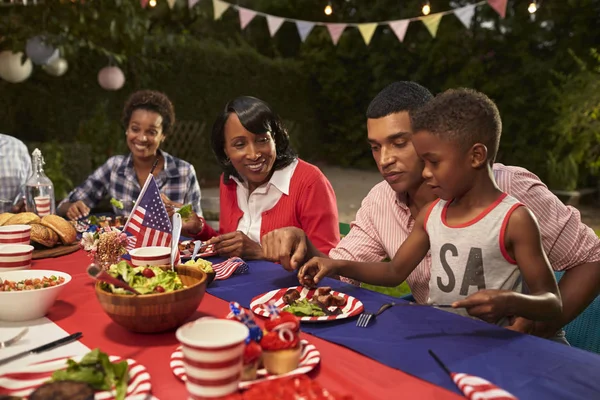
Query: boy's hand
{"type": "Point", "coordinates": [488, 305]}
{"type": "Point", "coordinates": [311, 273]}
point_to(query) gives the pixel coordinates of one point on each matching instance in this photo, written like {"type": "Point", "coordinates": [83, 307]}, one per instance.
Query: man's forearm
{"type": "Point", "coordinates": [579, 286]}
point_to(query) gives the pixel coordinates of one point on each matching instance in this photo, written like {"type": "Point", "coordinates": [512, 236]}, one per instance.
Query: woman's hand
{"type": "Point", "coordinates": [190, 226]}
{"type": "Point", "coordinates": [77, 210]}
{"type": "Point", "coordinates": [488, 305]}
{"type": "Point", "coordinates": [236, 244]}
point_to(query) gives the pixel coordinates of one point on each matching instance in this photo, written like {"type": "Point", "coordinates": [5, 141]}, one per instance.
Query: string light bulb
{"type": "Point", "coordinates": [328, 9]}
{"type": "Point", "coordinates": [152, 3]}
{"type": "Point", "coordinates": [426, 8]}
{"type": "Point", "coordinates": [533, 7]}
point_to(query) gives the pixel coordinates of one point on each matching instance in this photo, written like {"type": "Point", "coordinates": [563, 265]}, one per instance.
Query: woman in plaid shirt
{"type": "Point", "coordinates": [149, 118]}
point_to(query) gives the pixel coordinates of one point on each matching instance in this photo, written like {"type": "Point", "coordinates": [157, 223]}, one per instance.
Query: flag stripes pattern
{"type": "Point", "coordinates": [476, 388]}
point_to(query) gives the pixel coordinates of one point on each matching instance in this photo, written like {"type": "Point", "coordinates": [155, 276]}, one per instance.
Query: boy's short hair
{"type": "Point", "coordinates": [464, 116]}
{"type": "Point", "coordinates": [397, 97]}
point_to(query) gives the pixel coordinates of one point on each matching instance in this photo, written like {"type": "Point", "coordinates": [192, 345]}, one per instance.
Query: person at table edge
{"type": "Point", "coordinates": [15, 169]}
{"type": "Point", "coordinates": [386, 216]}
{"type": "Point", "coordinates": [264, 185]}
{"type": "Point", "coordinates": [148, 117]}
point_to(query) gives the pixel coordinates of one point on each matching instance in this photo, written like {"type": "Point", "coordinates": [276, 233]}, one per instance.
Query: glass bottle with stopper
{"type": "Point", "coordinates": [39, 190]}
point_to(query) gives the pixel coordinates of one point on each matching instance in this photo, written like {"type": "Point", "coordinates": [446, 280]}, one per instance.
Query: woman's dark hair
{"type": "Point", "coordinates": [257, 117]}
{"type": "Point", "coordinates": [151, 101]}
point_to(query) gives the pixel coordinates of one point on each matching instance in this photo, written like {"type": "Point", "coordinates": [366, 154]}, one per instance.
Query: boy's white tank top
{"type": "Point", "coordinates": [472, 256]}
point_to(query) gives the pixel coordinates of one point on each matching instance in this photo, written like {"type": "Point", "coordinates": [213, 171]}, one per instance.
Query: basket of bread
{"type": "Point", "coordinates": [49, 232]}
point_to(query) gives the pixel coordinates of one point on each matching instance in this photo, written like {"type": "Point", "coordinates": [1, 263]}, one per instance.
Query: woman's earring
{"type": "Point", "coordinates": [227, 161]}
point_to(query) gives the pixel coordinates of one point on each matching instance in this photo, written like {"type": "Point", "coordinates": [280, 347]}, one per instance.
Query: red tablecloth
{"type": "Point", "coordinates": [341, 370]}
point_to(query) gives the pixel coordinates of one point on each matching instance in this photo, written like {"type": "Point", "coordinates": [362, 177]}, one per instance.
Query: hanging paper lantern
{"type": "Point", "coordinates": [11, 68]}
{"type": "Point", "coordinates": [56, 67]}
{"type": "Point", "coordinates": [111, 78]}
{"type": "Point", "coordinates": [39, 52]}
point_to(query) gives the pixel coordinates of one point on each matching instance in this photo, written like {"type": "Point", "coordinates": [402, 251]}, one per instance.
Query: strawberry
{"type": "Point", "coordinates": [284, 316]}
{"type": "Point", "coordinates": [252, 352]}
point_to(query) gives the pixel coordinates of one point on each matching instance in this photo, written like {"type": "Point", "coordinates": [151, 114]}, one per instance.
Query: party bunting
{"type": "Point", "coordinates": [465, 15]}
{"type": "Point", "coordinates": [399, 28]}
{"type": "Point", "coordinates": [171, 3]}
{"type": "Point", "coordinates": [335, 31]}
{"type": "Point", "coordinates": [367, 31]}
{"type": "Point", "coordinates": [432, 22]}
{"type": "Point", "coordinates": [499, 6]}
{"type": "Point", "coordinates": [219, 8]}
{"type": "Point", "coordinates": [192, 3]}
{"type": "Point", "coordinates": [304, 28]}
{"type": "Point", "coordinates": [274, 23]}
{"type": "Point", "coordinates": [246, 16]}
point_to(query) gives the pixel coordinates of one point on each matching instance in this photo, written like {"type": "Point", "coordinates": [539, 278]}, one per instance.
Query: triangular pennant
{"type": "Point", "coordinates": [499, 6]}
{"type": "Point", "coordinates": [432, 22]}
{"type": "Point", "coordinates": [274, 24]}
{"type": "Point", "coordinates": [192, 3]}
{"type": "Point", "coordinates": [246, 16]}
{"type": "Point", "coordinates": [304, 28]}
{"type": "Point", "coordinates": [219, 8]}
{"type": "Point", "coordinates": [367, 31]}
{"type": "Point", "coordinates": [335, 31]}
{"type": "Point", "coordinates": [171, 3]}
{"type": "Point", "coordinates": [465, 15]}
{"type": "Point", "coordinates": [144, 3]}
{"type": "Point", "coordinates": [399, 28]}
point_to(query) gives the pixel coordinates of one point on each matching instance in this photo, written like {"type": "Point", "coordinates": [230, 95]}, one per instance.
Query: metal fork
{"type": "Point", "coordinates": [365, 318]}
{"type": "Point", "coordinates": [12, 341]}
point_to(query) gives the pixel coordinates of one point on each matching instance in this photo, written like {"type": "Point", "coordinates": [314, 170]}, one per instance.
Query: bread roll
{"type": "Point", "coordinates": [23, 218]}
{"type": "Point", "coordinates": [5, 217]}
{"type": "Point", "coordinates": [66, 232]}
{"type": "Point", "coordinates": [43, 235]}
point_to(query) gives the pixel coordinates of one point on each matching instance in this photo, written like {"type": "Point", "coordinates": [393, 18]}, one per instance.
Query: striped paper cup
{"type": "Point", "coordinates": [154, 255]}
{"type": "Point", "coordinates": [15, 234]}
{"type": "Point", "coordinates": [14, 257]}
{"type": "Point", "coordinates": [212, 356]}
{"type": "Point", "coordinates": [42, 205]}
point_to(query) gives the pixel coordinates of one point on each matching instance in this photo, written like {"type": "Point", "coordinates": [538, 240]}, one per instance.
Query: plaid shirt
{"type": "Point", "coordinates": [117, 179]}
{"type": "Point", "coordinates": [15, 169]}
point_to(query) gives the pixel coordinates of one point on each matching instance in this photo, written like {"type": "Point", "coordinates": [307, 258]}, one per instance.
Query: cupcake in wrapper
{"type": "Point", "coordinates": [281, 344]}
{"type": "Point", "coordinates": [253, 352]}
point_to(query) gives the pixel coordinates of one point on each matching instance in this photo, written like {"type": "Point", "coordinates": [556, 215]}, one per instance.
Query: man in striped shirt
{"type": "Point", "coordinates": [385, 218]}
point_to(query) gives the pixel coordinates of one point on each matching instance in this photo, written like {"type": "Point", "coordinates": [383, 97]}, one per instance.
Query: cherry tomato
{"type": "Point", "coordinates": [148, 273]}
{"type": "Point", "coordinates": [159, 289]}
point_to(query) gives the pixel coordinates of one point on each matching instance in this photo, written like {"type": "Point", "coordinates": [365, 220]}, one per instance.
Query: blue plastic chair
{"type": "Point", "coordinates": [584, 331]}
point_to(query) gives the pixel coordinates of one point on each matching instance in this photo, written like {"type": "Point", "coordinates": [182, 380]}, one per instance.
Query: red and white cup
{"type": "Point", "coordinates": [42, 205]}
{"type": "Point", "coordinates": [14, 257]}
{"type": "Point", "coordinates": [213, 352]}
{"type": "Point", "coordinates": [15, 234]}
{"type": "Point", "coordinates": [153, 255]}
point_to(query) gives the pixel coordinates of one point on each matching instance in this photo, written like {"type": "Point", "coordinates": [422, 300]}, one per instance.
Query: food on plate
{"type": "Point", "coordinates": [185, 211]}
{"type": "Point", "coordinates": [65, 231]}
{"type": "Point", "coordinates": [146, 279]}
{"type": "Point", "coordinates": [96, 370]}
{"type": "Point", "coordinates": [63, 390]}
{"type": "Point", "coordinates": [43, 235]}
{"type": "Point", "coordinates": [3, 218]}
{"type": "Point", "coordinates": [294, 387]}
{"type": "Point", "coordinates": [252, 359]}
{"type": "Point", "coordinates": [317, 306]}
{"type": "Point", "coordinates": [204, 265]}
{"type": "Point", "coordinates": [24, 218]}
{"type": "Point", "coordinates": [117, 203]}
{"type": "Point", "coordinates": [281, 344]}
{"type": "Point", "coordinates": [30, 284]}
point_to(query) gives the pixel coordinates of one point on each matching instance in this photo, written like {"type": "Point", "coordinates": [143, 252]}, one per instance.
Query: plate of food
{"type": "Point", "coordinates": [91, 376]}
{"type": "Point", "coordinates": [186, 249]}
{"type": "Point", "coordinates": [310, 305]}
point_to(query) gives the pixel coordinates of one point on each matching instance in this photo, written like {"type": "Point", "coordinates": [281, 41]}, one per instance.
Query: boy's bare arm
{"type": "Point", "coordinates": [524, 239]}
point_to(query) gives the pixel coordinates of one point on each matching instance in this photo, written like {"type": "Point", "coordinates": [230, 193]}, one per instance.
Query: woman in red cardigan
{"type": "Point", "coordinates": [264, 185]}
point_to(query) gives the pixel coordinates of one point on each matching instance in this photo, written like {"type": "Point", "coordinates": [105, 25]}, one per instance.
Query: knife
{"type": "Point", "coordinates": [52, 345]}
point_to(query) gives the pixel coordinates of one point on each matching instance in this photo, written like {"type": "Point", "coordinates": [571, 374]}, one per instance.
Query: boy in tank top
{"type": "Point", "coordinates": [484, 244]}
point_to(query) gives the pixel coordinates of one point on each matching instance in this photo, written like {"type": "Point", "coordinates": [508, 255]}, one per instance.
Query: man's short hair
{"type": "Point", "coordinates": [397, 97]}
{"type": "Point", "coordinates": [464, 116]}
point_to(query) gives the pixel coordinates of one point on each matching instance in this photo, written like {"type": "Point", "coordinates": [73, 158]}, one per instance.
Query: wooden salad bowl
{"type": "Point", "coordinates": [152, 313]}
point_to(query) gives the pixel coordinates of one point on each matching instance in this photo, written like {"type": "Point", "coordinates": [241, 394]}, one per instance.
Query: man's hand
{"type": "Point", "coordinates": [77, 210]}
{"type": "Point", "coordinates": [488, 305]}
{"type": "Point", "coordinates": [311, 273]}
{"type": "Point", "coordinates": [288, 246]}
{"type": "Point", "coordinates": [236, 244]}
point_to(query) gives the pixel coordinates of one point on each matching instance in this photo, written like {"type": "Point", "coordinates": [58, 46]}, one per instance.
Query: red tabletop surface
{"type": "Point", "coordinates": [341, 370]}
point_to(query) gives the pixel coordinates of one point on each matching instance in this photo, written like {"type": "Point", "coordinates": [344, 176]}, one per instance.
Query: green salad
{"type": "Point", "coordinates": [185, 211]}
{"type": "Point", "coordinates": [304, 308]}
{"type": "Point", "coordinates": [145, 280]}
{"type": "Point", "coordinates": [96, 370]}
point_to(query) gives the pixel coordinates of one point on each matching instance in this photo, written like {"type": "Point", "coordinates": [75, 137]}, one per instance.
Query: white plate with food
{"type": "Point", "coordinates": [309, 305]}
{"type": "Point", "coordinates": [186, 249]}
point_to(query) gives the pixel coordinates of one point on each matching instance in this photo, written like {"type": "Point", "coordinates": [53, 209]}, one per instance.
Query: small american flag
{"type": "Point", "coordinates": [234, 265]}
{"type": "Point", "coordinates": [149, 222]}
{"type": "Point", "coordinates": [474, 387]}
